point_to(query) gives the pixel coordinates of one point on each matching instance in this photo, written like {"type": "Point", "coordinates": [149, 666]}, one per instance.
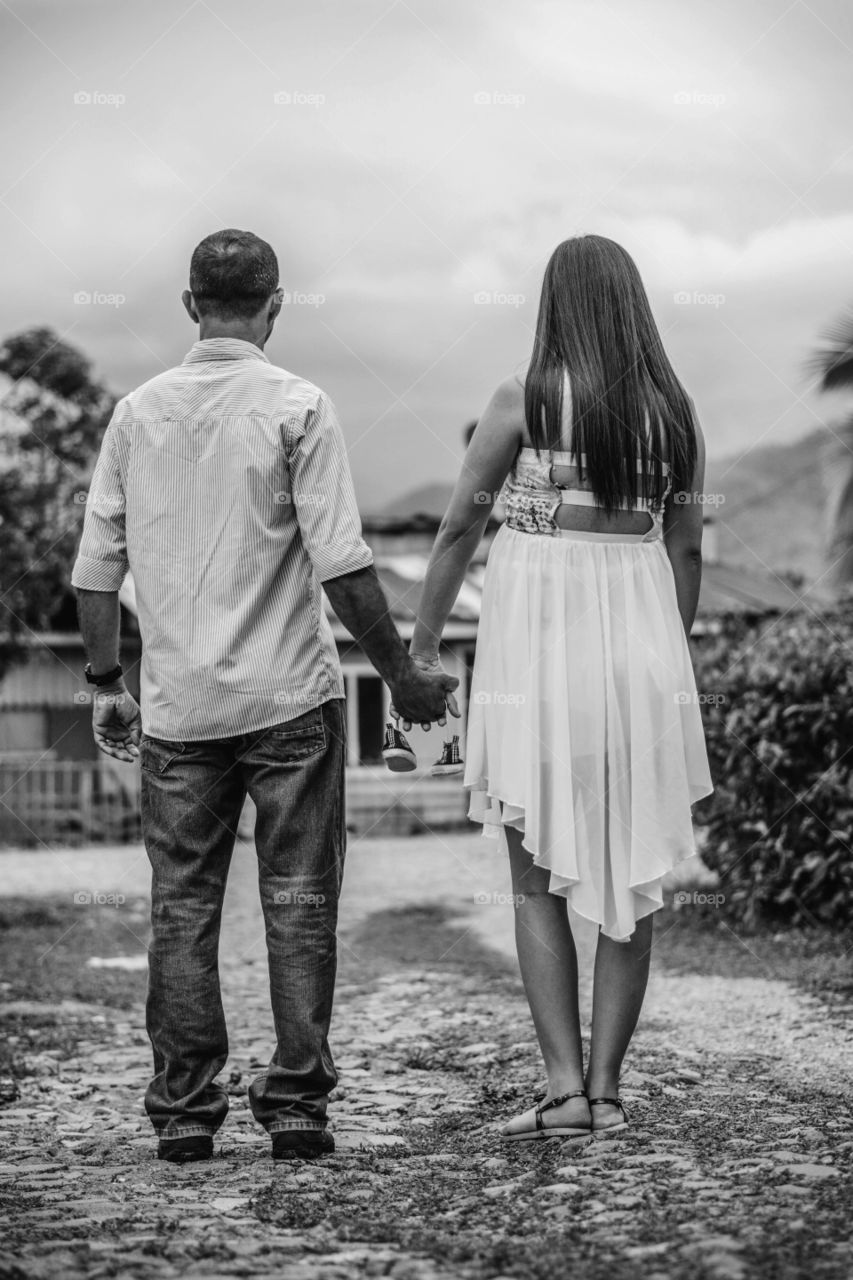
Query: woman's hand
{"type": "Point", "coordinates": [428, 662]}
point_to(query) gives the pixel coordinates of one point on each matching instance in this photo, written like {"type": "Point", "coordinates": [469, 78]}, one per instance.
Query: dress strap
{"type": "Point", "coordinates": [561, 458]}
{"type": "Point", "coordinates": [577, 497]}
{"type": "Point", "coordinates": [585, 498]}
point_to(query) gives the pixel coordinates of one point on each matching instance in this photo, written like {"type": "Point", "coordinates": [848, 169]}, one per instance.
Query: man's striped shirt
{"type": "Point", "coordinates": [224, 486]}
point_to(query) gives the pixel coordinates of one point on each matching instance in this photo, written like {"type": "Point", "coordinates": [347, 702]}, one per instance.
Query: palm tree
{"type": "Point", "coordinates": [832, 363]}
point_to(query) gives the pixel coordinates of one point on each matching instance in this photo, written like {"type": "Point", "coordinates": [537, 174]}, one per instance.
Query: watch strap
{"type": "Point", "coordinates": [108, 677]}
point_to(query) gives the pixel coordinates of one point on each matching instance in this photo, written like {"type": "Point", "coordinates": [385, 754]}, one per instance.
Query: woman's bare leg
{"type": "Point", "coordinates": [621, 974]}
{"type": "Point", "coordinates": [549, 971]}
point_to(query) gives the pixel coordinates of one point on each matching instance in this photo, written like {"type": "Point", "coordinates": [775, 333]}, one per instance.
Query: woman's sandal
{"type": "Point", "coordinates": [604, 1130]}
{"type": "Point", "coordinates": [540, 1130]}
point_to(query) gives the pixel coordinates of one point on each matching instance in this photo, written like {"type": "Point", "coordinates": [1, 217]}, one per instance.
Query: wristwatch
{"type": "Point", "coordinates": [108, 677]}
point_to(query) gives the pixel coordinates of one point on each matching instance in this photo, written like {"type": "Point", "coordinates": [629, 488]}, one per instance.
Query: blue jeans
{"type": "Point", "coordinates": [192, 796]}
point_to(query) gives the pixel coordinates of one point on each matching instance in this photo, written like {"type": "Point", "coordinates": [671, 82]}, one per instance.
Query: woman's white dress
{"type": "Point", "coordinates": [584, 727]}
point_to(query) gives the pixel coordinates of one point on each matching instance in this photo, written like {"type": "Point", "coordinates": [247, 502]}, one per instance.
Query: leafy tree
{"type": "Point", "coordinates": [52, 417]}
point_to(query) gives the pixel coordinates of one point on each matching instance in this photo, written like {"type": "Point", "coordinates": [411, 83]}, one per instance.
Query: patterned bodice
{"type": "Point", "coordinates": [531, 498]}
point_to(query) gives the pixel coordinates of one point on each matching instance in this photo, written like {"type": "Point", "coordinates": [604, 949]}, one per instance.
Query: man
{"type": "Point", "coordinates": [223, 484]}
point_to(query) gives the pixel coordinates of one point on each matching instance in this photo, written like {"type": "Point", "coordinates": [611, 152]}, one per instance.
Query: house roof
{"type": "Point", "coordinates": [732, 589]}
{"type": "Point", "coordinates": [428, 501]}
{"type": "Point", "coordinates": [402, 579]}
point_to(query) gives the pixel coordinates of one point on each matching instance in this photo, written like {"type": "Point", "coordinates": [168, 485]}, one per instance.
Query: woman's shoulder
{"type": "Point", "coordinates": [508, 396]}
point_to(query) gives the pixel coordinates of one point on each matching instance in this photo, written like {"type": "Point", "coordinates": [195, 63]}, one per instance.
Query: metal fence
{"type": "Point", "coordinates": [382, 803]}
{"type": "Point", "coordinates": [71, 802]}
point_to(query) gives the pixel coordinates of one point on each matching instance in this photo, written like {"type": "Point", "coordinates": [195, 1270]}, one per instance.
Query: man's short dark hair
{"type": "Point", "coordinates": [233, 273]}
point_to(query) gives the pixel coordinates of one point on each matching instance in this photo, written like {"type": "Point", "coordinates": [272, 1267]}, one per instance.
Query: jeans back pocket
{"type": "Point", "coordinates": [296, 739]}
{"type": "Point", "coordinates": [156, 754]}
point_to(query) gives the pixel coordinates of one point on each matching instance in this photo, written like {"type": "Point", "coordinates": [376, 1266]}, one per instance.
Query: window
{"type": "Point", "coordinates": [370, 719]}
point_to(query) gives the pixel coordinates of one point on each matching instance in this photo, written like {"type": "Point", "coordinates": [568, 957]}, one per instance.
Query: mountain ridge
{"type": "Point", "coordinates": [773, 513]}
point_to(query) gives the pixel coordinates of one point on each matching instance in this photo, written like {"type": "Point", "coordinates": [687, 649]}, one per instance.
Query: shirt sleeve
{"type": "Point", "coordinates": [323, 495]}
{"type": "Point", "coordinates": [101, 562]}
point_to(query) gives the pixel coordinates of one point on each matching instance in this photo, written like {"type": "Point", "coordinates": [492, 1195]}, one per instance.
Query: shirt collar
{"type": "Point", "coordinates": [215, 349]}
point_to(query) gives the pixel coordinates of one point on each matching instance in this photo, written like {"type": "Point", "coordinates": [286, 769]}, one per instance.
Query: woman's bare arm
{"type": "Point", "coordinates": [487, 461]}
{"type": "Point", "coordinates": [682, 531]}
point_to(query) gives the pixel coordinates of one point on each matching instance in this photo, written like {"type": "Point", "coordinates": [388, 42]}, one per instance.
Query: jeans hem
{"type": "Point", "coordinates": [188, 1130]}
{"type": "Point", "coordinates": [285, 1126]}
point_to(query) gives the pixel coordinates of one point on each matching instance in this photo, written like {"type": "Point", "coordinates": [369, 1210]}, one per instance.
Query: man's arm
{"type": "Point", "coordinates": [324, 501]}
{"type": "Point", "coordinates": [358, 600]}
{"type": "Point", "coordinates": [116, 718]}
{"type": "Point", "coordinates": [99, 614]}
{"type": "Point", "coordinates": [98, 573]}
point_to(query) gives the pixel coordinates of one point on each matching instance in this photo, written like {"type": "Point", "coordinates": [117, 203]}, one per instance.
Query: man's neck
{"type": "Point", "coordinates": [242, 334]}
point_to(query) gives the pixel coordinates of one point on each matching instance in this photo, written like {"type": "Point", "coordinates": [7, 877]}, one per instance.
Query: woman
{"type": "Point", "coordinates": [585, 747]}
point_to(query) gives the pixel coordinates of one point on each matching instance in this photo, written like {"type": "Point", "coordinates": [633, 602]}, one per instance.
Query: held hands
{"type": "Point", "coordinates": [425, 694]}
{"type": "Point", "coordinates": [116, 722]}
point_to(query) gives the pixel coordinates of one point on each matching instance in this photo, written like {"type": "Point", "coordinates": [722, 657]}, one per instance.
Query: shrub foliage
{"type": "Point", "coordinates": [779, 727]}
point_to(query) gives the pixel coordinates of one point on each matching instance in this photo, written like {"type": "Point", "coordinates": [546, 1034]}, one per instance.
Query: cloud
{"type": "Point", "coordinates": [399, 197]}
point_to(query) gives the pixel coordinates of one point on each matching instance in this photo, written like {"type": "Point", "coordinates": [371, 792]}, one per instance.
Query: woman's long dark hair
{"type": "Point", "coordinates": [595, 324]}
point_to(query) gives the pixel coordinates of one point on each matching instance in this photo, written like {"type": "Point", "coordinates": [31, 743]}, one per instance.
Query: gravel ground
{"type": "Point", "coordinates": [737, 1163]}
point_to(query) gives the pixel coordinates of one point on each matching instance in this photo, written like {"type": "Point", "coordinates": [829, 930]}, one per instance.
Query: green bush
{"type": "Point", "coordinates": [778, 712]}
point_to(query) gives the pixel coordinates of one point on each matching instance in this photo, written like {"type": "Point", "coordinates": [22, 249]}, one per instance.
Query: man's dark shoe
{"type": "Point", "coordinates": [302, 1144]}
{"type": "Point", "coordinates": [185, 1150]}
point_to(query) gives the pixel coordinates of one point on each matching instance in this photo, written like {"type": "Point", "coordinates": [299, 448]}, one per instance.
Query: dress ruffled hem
{"type": "Point", "coordinates": [483, 808]}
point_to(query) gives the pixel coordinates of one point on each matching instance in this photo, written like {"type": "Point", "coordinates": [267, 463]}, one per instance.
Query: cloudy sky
{"type": "Point", "coordinates": [408, 159]}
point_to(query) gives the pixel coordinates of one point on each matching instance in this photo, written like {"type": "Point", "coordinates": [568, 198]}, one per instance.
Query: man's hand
{"type": "Point", "coordinates": [116, 722]}
{"type": "Point", "coordinates": [424, 696]}
{"type": "Point", "coordinates": [358, 600]}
